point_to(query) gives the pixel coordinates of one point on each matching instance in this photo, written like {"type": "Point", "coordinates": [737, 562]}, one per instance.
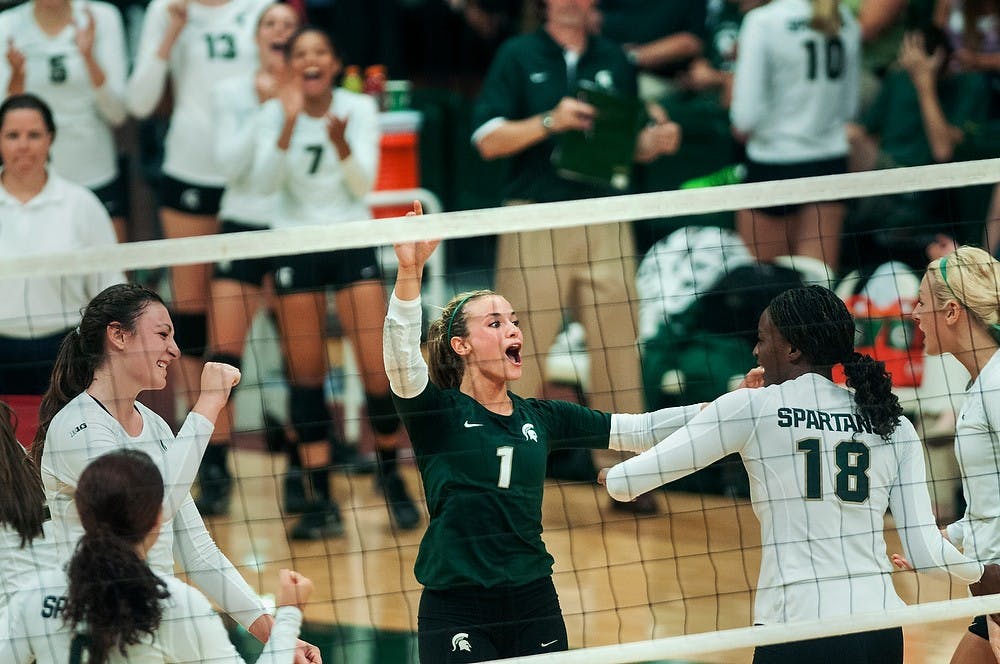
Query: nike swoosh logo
{"type": "Point", "coordinates": [470, 425]}
{"type": "Point", "coordinates": [546, 645]}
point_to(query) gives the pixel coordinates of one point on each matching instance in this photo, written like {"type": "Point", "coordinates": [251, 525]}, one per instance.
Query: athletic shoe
{"type": "Point", "coordinates": [401, 508]}
{"type": "Point", "coordinates": [320, 521]}
{"type": "Point", "coordinates": [216, 489]}
{"type": "Point", "coordinates": [294, 492]}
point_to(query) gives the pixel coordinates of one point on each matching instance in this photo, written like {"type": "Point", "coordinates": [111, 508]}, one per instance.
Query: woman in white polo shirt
{"type": "Point", "coordinates": [42, 213]}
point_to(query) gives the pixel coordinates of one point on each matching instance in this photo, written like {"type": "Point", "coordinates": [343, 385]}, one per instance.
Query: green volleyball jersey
{"type": "Point", "coordinates": [483, 476]}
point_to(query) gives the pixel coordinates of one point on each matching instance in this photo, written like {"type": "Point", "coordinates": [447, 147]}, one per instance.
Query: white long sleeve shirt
{"type": "Point", "coordinates": [83, 431]}
{"type": "Point", "coordinates": [84, 148]}
{"type": "Point", "coordinates": [820, 485]}
{"type": "Point", "coordinates": [189, 630]}
{"type": "Point", "coordinates": [217, 43]}
{"type": "Point", "coordinates": [795, 88]}
{"type": "Point", "coordinates": [236, 106]}
{"type": "Point", "coordinates": [22, 564]}
{"type": "Point", "coordinates": [977, 448]}
{"type": "Point", "coordinates": [407, 371]}
{"type": "Point", "coordinates": [314, 185]}
{"type": "Point", "coordinates": [63, 217]}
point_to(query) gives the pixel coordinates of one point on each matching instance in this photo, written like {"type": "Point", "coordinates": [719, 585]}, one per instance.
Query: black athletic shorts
{"type": "Point", "coordinates": [113, 197]}
{"type": "Point", "coordinates": [479, 624]}
{"type": "Point", "coordinates": [759, 172]}
{"type": "Point", "coordinates": [883, 646]}
{"type": "Point", "coordinates": [301, 272]}
{"type": "Point", "coordinates": [188, 197]}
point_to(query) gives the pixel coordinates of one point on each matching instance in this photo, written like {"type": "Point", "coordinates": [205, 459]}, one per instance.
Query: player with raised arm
{"type": "Point", "coordinates": [481, 451]}
{"type": "Point", "coordinates": [123, 346]}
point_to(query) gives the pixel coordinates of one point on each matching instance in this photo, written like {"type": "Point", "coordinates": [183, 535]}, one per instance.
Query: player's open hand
{"type": "Point", "coordinates": [413, 255]}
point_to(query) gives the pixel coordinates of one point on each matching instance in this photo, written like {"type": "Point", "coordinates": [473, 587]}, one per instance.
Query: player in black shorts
{"type": "Point", "coordinates": [481, 451]}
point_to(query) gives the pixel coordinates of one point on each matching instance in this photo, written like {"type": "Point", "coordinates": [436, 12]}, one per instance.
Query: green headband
{"type": "Point", "coordinates": [944, 277]}
{"type": "Point", "coordinates": [455, 313]}
{"type": "Point", "coordinates": [994, 328]}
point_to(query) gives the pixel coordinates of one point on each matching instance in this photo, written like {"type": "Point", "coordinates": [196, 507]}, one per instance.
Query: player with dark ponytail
{"type": "Point", "coordinates": [825, 463]}
{"type": "Point", "coordinates": [109, 603]}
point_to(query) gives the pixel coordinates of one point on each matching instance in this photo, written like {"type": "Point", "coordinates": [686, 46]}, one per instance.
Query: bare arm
{"type": "Point", "coordinates": [875, 16]}
{"type": "Point", "coordinates": [666, 50]}
{"type": "Point", "coordinates": [510, 137]}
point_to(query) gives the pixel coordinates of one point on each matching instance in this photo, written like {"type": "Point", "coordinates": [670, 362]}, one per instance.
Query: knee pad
{"type": "Point", "coordinates": [382, 414]}
{"type": "Point", "coordinates": [308, 412]}
{"type": "Point", "coordinates": [190, 333]}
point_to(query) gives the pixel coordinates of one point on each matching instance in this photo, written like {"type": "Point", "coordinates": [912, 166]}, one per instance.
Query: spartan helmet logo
{"type": "Point", "coordinates": [191, 198]}
{"type": "Point", "coordinates": [461, 642]}
{"type": "Point", "coordinates": [529, 432]}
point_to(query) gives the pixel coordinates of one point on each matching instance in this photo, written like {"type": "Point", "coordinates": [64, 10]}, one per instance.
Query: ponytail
{"type": "Point", "coordinates": [826, 17]}
{"type": "Point", "coordinates": [873, 393]}
{"type": "Point", "coordinates": [72, 373]}
{"type": "Point", "coordinates": [817, 322]}
{"type": "Point", "coordinates": [22, 499]}
{"type": "Point", "coordinates": [113, 594]}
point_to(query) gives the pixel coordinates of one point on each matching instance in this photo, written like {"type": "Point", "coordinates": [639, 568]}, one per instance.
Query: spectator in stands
{"type": "Point", "coordinates": [72, 55]}
{"type": "Point", "coordinates": [195, 44]}
{"type": "Point", "coordinates": [713, 70]}
{"type": "Point", "coordinates": [660, 39]}
{"type": "Point", "coordinates": [958, 312]}
{"type": "Point", "coordinates": [923, 115]}
{"type": "Point", "coordinates": [25, 534]}
{"type": "Point", "coordinates": [525, 105]}
{"type": "Point", "coordinates": [882, 24]}
{"type": "Point", "coordinates": [123, 346]}
{"type": "Point", "coordinates": [318, 147]}
{"type": "Point", "coordinates": [42, 214]}
{"type": "Point", "coordinates": [481, 449]}
{"type": "Point", "coordinates": [236, 285]}
{"type": "Point", "coordinates": [820, 483]}
{"type": "Point", "coordinates": [973, 29]}
{"type": "Point", "coordinates": [795, 89]}
{"type": "Point", "coordinates": [112, 605]}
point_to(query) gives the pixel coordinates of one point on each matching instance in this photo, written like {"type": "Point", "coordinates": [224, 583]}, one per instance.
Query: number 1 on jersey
{"type": "Point", "coordinates": [506, 454]}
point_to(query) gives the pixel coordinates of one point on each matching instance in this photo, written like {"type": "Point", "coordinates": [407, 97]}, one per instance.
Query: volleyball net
{"type": "Point", "coordinates": [673, 583]}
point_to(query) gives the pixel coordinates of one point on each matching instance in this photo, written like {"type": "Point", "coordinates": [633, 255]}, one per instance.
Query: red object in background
{"type": "Point", "coordinates": [399, 162]}
{"type": "Point", "coordinates": [889, 335]}
{"type": "Point", "coordinates": [25, 407]}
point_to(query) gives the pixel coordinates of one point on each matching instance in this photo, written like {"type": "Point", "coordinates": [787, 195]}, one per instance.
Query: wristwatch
{"type": "Point", "coordinates": [548, 122]}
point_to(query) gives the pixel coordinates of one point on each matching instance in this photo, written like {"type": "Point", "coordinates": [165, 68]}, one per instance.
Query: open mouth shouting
{"type": "Point", "coordinates": [513, 353]}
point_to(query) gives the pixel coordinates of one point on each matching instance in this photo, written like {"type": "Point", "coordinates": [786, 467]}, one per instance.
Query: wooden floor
{"type": "Point", "coordinates": [620, 578]}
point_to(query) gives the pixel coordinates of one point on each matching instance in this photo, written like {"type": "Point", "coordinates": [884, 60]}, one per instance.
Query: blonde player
{"type": "Point", "coordinates": [825, 463]}
{"type": "Point", "coordinates": [71, 53]}
{"type": "Point", "coordinates": [81, 615]}
{"type": "Point", "coordinates": [958, 314]}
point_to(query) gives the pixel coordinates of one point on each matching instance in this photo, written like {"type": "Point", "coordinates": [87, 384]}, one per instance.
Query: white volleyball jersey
{"type": "Point", "coordinates": [236, 106]}
{"type": "Point", "coordinates": [189, 630]}
{"type": "Point", "coordinates": [22, 565]}
{"type": "Point", "coordinates": [977, 448]}
{"type": "Point", "coordinates": [63, 217]}
{"type": "Point", "coordinates": [315, 186]}
{"type": "Point", "coordinates": [84, 148]}
{"type": "Point", "coordinates": [82, 431]}
{"type": "Point", "coordinates": [216, 43]}
{"type": "Point", "coordinates": [795, 88]}
{"type": "Point", "coordinates": [820, 484]}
